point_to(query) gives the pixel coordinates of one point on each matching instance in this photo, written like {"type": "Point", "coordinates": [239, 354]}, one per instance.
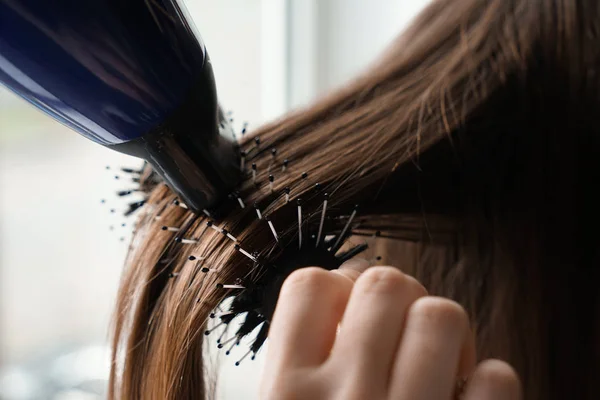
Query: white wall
{"type": "Point", "coordinates": [231, 30]}
{"type": "Point", "coordinates": [333, 40]}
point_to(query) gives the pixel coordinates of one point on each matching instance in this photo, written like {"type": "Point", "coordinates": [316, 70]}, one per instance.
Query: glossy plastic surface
{"type": "Point", "coordinates": [110, 69]}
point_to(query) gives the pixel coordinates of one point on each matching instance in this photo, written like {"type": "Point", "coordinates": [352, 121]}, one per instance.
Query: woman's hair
{"type": "Point", "coordinates": [472, 145]}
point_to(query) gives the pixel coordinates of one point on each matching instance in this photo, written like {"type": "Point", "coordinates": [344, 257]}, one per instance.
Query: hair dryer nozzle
{"type": "Point", "coordinates": [194, 150]}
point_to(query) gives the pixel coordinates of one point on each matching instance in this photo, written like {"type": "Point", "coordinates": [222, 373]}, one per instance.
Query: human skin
{"type": "Point", "coordinates": [374, 333]}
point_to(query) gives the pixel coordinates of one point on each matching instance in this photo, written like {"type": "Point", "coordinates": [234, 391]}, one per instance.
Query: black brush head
{"type": "Point", "coordinates": [258, 299]}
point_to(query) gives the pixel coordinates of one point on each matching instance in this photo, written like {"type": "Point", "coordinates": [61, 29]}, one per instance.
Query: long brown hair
{"type": "Point", "coordinates": [473, 143]}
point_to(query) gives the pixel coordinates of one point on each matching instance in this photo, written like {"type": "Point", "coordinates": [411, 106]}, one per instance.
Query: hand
{"type": "Point", "coordinates": [393, 342]}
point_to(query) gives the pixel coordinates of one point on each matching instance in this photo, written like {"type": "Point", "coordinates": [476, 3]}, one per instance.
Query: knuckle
{"type": "Point", "coordinates": [351, 274]}
{"type": "Point", "coordinates": [416, 288]}
{"type": "Point", "coordinates": [442, 311]}
{"type": "Point", "coordinates": [498, 374]}
{"type": "Point", "coordinates": [306, 279]}
{"type": "Point", "coordinates": [382, 280]}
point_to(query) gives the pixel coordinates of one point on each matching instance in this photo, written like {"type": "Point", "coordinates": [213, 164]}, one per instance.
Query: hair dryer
{"type": "Point", "coordinates": [131, 75]}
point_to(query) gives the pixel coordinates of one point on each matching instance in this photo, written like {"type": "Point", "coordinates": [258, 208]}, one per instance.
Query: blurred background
{"type": "Point", "coordinates": [61, 250]}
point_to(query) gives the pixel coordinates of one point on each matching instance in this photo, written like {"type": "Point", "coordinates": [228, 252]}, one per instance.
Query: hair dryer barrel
{"type": "Point", "coordinates": [132, 75]}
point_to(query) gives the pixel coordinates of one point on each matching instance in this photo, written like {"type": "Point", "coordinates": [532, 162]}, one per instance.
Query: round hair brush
{"type": "Point", "coordinates": [131, 75]}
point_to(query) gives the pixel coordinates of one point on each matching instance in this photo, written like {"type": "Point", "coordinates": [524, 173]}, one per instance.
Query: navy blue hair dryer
{"type": "Point", "coordinates": [132, 75]}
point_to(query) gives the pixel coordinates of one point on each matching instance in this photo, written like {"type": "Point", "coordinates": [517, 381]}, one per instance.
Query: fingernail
{"type": "Point", "coordinates": [356, 264]}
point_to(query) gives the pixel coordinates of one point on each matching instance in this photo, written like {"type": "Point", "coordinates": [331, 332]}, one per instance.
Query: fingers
{"type": "Point", "coordinates": [395, 341]}
{"type": "Point", "coordinates": [436, 337]}
{"type": "Point", "coordinates": [493, 380]}
{"type": "Point", "coordinates": [372, 325]}
{"type": "Point", "coordinates": [311, 303]}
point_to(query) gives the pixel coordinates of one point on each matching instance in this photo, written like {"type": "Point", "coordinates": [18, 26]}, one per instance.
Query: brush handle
{"type": "Point", "coordinates": [132, 75]}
